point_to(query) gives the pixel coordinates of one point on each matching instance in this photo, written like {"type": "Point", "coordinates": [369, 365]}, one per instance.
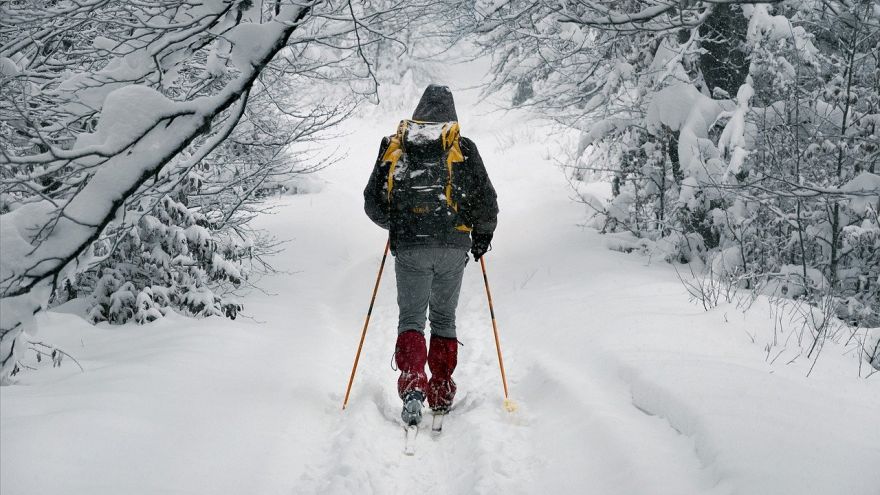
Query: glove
{"type": "Point", "coordinates": [482, 243]}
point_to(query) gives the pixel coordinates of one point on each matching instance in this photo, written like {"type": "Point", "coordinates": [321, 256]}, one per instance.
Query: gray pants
{"type": "Point", "coordinates": [429, 278]}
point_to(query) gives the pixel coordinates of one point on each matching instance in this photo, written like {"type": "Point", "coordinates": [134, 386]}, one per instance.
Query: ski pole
{"type": "Point", "coordinates": [508, 404]}
{"type": "Point", "coordinates": [357, 356]}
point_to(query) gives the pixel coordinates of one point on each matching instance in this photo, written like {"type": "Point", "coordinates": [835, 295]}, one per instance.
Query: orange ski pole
{"type": "Point", "coordinates": [357, 356]}
{"type": "Point", "coordinates": [508, 404]}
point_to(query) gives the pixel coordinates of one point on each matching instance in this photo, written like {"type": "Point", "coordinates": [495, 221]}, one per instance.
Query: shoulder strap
{"type": "Point", "coordinates": [450, 136]}
{"type": "Point", "coordinates": [393, 154]}
{"type": "Point", "coordinates": [453, 136]}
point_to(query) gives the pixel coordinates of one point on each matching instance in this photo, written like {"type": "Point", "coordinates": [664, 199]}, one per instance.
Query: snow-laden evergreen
{"type": "Point", "coordinates": [171, 260]}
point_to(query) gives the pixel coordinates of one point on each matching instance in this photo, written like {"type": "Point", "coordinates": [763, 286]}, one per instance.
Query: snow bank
{"type": "Point", "coordinates": [757, 433]}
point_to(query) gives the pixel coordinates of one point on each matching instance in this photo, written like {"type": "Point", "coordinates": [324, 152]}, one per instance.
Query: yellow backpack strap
{"type": "Point", "coordinates": [451, 138]}
{"type": "Point", "coordinates": [393, 153]}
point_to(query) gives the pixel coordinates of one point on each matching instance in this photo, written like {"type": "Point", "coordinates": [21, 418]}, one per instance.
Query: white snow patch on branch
{"type": "Point", "coordinates": [128, 114]}
{"type": "Point", "coordinates": [684, 109]}
{"type": "Point", "coordinates": [864, 191]}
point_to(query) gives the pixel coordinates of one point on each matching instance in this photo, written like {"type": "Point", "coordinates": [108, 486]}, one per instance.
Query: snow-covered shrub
{"type": "Point", "coordinates": [812, 145]}
{"type": "Point", "coordinates": [170, 260]}
{"type": "Point", "coordinates": [793, 281]}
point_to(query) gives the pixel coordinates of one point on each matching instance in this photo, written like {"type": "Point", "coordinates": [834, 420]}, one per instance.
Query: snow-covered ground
{"type": "Point", "coordinates": [623, 385]}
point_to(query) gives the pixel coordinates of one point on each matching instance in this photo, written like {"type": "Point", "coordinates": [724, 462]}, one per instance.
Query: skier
{"type": "Point", "coordinates": [430, 190]}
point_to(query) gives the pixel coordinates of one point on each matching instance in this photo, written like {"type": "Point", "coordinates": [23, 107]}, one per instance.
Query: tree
{"type": "Point", "coordinates": [115, 112]}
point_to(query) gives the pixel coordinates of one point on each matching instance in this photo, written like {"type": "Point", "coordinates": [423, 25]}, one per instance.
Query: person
{"type": "Point", "coordinates": [430, 190]}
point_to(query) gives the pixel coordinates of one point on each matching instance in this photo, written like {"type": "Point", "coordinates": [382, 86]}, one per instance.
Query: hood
{"type": "Point", "coordinates": [436, 105]}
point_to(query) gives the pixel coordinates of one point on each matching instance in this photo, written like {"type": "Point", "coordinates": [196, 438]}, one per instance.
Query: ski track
{"type": "Point", "coordinates": [470, 456]}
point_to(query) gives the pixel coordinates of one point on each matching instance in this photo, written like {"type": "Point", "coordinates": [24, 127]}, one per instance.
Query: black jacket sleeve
{"type": "Point", "coordinates": [481, 206]}
{"type": "Point", "coordinates": [375, 194]}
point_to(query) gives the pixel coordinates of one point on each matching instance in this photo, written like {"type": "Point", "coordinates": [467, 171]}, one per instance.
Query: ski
{"type": "Point", "coordinates": [409, 447]}
{"type": "Point", "coordinates": [437, 423]}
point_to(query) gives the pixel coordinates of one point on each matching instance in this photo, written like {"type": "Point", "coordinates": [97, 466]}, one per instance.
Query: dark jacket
{"type": "Point", "coordinates": [477, 204]}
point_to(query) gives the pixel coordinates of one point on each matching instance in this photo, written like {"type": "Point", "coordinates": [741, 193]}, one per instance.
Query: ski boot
{"type": "Point", "coordinates": [412, 408]}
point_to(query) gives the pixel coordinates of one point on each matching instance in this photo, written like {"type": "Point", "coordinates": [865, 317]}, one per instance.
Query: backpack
{"type": "Point", "coordinates": [422, 158]}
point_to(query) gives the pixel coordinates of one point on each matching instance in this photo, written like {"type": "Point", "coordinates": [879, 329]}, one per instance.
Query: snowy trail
{"type": "Point", "coordinates": [483, 448]}
{"type": "Point", "coordinates": [624, 386]}
{"type": "Point", "coordinates": [466, 458]}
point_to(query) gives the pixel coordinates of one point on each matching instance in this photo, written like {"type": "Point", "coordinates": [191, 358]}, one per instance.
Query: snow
{"type": "Point", "coordinates": [17, 231]}
{"type": "Point", "coordinates": [104, 43]}
{"type": "Point", "coordinates": [623, 385]}
{"type": "Point", "coordinates": [128, 113]}
{"type": "Point", "coordinates": [728, 262]}
{"type": "Point", "coordinates": [424, 132]}
{"type": "Point", "coordinates": [599, 130]}
{"type": "Point", "coordinates": [864, 191]}
{"type": "Point", "coordinates": [619, 207]}
{"type": "Point", "coordinates": [8, 68]}
{"type": "Point", "coordinates": [88, 91]}
{"type": "Point", "coordinates": [790, 282]}
{"type": "Point", "coordinates": [681, 107]}
{"type": "Point", "coordinates": [90, 206]}
{"type": "Point", "coordinates": [763, 24]}
{"type": "Point", "coordinates": [733, 136]}
{"type": "Point", "coordinates": [672, 106]}
{"type": "Point", "coordinates": [620, 72]}
{"type": "Point", "coordinates": [249, 41]}
{"type": "Point", "coordinates": [215, 64]}
{"type": "Point", "coordinates": [666, 64]}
